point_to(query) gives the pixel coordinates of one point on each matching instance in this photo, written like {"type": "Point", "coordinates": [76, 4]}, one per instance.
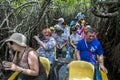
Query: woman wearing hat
{"type": "Point", "coordinates": [25, 61]}
{"type": "Point", "coordinates": [74, 38]}
{"type": "Point", "coordinates": [61, 43]}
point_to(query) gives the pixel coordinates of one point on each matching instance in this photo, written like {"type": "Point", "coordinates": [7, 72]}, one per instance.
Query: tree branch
{"type": "Point", "coordinates": [112, 11]}
{"type": "Point", "coordinates": [14, 11]}
{"type": "Point", "coordinates": [105, 15]}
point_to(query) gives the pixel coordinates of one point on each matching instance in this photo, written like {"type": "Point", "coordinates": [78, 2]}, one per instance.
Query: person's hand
{"type": "Point", "coordinates": [74, 47]}
{"type": "Point", "coordinates": [58, 46]}
{"type": "Point", "coordinates": [102, 67]}
{"type": "Point", "coordinates": [9, 65]}
{"type": "Point", "coordinates": [61, 47]}
{"type": "Point", "coordinates": [35, 37]}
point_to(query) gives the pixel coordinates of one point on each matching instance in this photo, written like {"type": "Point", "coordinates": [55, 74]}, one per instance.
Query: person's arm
{"type": "Point", "coordinates": [15, 58]}
{"type": "Point", "coordinates": [40, 42]}
{"type": "Point", "coordinates": [64, 44]}
{"type": "Point", "coordinates": [100, 57]}
{"type": "Point", "coordinates": [33, 64]}
{"type": "Point", "coordinates": [77, 55]}
{"type": "Point", "coordinates": [101, 63]}
{"type": "Point", "coordinates": [72, 44]}
{"type": "Point", "coordinates": [57, 44]}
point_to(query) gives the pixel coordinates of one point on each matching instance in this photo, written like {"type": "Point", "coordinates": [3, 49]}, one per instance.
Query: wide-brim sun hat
{"type": "Point", "coordinates": [18, 38]}
{"type": "Point", "coordinates": [59, 29]}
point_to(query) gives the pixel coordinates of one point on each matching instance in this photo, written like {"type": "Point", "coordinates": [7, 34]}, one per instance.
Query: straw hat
{"type": "Point", "coordinates": [18, 38]}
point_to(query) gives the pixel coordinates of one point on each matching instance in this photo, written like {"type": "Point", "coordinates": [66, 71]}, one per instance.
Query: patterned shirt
{"type": "Point", "coordinates": [75, 38]}
{"type": "Point", "coordinates": [49, 53]}
{"type": "Point", "coordinates": [66, 31]}
{"type": "Point", "coordinates": [61, 39]}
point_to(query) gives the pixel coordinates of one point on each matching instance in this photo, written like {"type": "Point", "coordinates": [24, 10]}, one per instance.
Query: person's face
{"type": "Point", "coordinates": [46, 36]}
{"type": "Point", "coordinates": [11, 45]}
{"type": "Point", "coordinates": [74, 32]}
{"type": "Point", "coordinates": [59, 32]}
{"type": "Point", "coordinates": [52, 31]}
{"type": "Point", "coordinates": [90, 36]}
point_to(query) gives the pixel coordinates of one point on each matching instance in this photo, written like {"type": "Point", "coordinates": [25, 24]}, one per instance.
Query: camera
{"type": "Point", "coordinates": [41, 36]}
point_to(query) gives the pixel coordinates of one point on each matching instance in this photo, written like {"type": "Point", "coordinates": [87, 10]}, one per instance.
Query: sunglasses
{"type": "Point", "coordinates": [74, 30]}
{"type": "Point", "coordinates": [11, 42]}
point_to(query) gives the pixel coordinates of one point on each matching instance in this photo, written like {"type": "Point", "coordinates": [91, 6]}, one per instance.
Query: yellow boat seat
{"type": "Point", "coordinates": [46, 64]}
{"type": "Point", "coordinates": [44, 61]}
{"type": "Point", "coordinates": [80, 70]}
{"type": "Point", "coordinates": [104, 76]}
{"type": "Point", "coordinates": [13, 76]}
{"type": "Point", "coordinates": [55, 52]}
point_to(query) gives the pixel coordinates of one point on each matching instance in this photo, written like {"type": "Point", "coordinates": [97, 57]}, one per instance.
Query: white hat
{"type": "Point", "coordinates": [88, 26]}
{"type": "Point", "coordinates": [18, 38]}
{"type": "Point", "coordinates": [61, 20]}
{"type": "Point", "coordinates": [58, 28]}
{"type": "Point", "coordinates": [77, 24]}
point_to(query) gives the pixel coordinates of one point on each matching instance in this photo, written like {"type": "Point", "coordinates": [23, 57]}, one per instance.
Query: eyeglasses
{"type": "Point", "coordinates": [11, 42]}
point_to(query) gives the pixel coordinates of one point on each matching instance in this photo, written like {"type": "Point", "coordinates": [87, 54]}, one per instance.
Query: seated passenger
{"type": "Point", "coordinates": [89, 49]}
{"type": "Point", "coordinates": [46, 45]}
{"type": "Point", "coordinates": [61, 42]}
{"type": "Point", "coordinates": [65, 29]}
{"type": "Point", "coordinates": [74, 38]}
{"type": "Point", "coordinates": [25, 61]}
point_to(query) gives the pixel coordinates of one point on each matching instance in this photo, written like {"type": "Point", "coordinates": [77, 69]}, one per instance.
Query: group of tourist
{"type": "Point", "coordinates": [80, 36]}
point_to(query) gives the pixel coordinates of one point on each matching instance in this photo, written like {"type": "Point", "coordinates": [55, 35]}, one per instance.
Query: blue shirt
{"type": "Point", "coordinates": [49, 53]}
{"type": "Point", "coordinates": [94, 46]}
{"type": "Point", "coordinates": [61, 39]}
{"type": "Point", "coordinates": [66, 31]}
